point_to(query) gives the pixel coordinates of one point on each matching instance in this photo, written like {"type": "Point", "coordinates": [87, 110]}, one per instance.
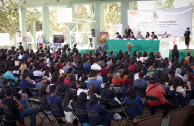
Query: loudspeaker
{"type": "Point", "coordinates": [93, 32]}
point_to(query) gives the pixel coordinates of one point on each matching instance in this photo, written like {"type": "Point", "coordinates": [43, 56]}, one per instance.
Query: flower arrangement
{"type": "Point", "coordinates": [129, 46]}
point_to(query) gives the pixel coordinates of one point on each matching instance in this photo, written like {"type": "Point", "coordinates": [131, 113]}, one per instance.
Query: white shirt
{"type": "Point", "coordinates": [140, 59]}
{"type": "Point", "coordinates": [20, 56]}
{"type": "Point", "coordinates": [37, 73]}
{"type": "Point", "coordinates": [95, 67]}
{"type": "Point", "coordinates": [79, 91]}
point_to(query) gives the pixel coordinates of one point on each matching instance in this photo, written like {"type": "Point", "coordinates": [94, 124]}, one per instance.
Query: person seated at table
{"type": "Point", "coordinates": [165, 35]}
{"type": "Point", "coordinates": [126, 36]}
{"type": "Point", "coordinates": [154, 36]}
{"type": "Point", "coordinates": [147, 37]}
{"type": "Point", "coordinates": [118, 35]}
{"type": "Point", "coordinates": [139, 35]}
{"type": "Point", "coordinates": [132, 36]}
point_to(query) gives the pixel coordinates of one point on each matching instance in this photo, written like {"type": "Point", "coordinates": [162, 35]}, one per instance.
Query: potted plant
{"type": "Point", "coordinates": [129, 46]}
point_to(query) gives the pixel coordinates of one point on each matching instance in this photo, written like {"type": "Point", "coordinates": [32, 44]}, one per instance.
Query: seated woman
{"type": "Point", "coordinates": [132, 98]}
{"type": "Point", "coordinates": [68, 102]}
{"type": "Point", "coordinates": [178, 86]}
{"type": "Point", "coordinates": [82, 88]}
{"type": "Point", "coordinates": [81, 104]}
{"type": "Point", "coordinates": [92, 90]}
{"type": "Point", "coordinates": [105, 116]}
{"type": "Point", "coordinates": [125, 86]}
{"type": "Point", "coordinates": [43, 98]}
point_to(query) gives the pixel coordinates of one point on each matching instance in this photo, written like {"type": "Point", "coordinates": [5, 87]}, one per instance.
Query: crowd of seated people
{"type": "Point", "coordinates": [93, 83]}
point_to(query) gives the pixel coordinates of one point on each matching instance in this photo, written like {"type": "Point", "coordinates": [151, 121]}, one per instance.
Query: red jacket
{"type": "Point", "coordinates": [117, 80]}
{"type": "Point", "coordinates": [157, 92]}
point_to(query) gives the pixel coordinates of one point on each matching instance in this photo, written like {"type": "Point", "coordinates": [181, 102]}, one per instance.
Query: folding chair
{"type": "Point", "coordinates": [68, 109]}
{"type": "Point", "coordinates": [140, 91]}
{"type": "Point", "coordinates": [32, 90]}
{"type": "Point", "coordinates": [1, 117]}
{"type": "Point", "coordinates": [53, 109]}
{"type": "Point", "coordinates": [79, 112]}
{"type": "Point", "coordinates": [45, 107]}
{"type": "Point", "coordinates": [153, 99]}
{"type": "Point", "coordinates": [104, 102]}
{"type": "Point", "coordinates": [8, 113]}
{"type": "Point", "coordinates": [152, 121]}
{"type": "Point", "coordinates": [121, 96]}
{"type": "Point", "coordinates": [127, 106]}
{"type": "Point", "coordinates": [91, 113]}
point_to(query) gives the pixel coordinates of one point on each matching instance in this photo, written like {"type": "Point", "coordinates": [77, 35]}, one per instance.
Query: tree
{"type": "Point", "coordinates": [112, 16]}
{"type": "Point", "coordinates": [9, 17]}
{"type": "Point", "coordinates": [165, 4]}
{"type": "Point", "coordinates": [32, 15]}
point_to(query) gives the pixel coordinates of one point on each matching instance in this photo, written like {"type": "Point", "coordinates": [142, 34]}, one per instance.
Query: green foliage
{"type": "Point", "coordinates": [166, 4]}
{"type": "Point", "coordinates": [32, 15]}
{"type": "Point", "coordinates": [9, 17]}
{"type": "Point", "coordinates": [112, 15]}
{"type": "Point", "coordinates": [54, 25]}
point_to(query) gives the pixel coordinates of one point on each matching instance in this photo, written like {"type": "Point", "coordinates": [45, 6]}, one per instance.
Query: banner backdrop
{"type": "Point", "coordinates": [173, 21]}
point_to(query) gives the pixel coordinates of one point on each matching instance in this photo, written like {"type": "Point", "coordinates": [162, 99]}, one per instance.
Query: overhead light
{"type": "Point", "coordinates": [57, 1]}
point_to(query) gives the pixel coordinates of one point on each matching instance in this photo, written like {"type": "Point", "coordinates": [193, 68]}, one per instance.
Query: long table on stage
{"type": "Point", "coordinates": [139, 45]}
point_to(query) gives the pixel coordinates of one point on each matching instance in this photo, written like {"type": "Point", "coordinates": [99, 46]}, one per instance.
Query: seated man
{"type": "Point", "coordinates": [9, 75]}
{"type": "Point", "coordinates": [94, 80]}
{"type": "Point", "coordinates": [108, 93]}
{"type": "Point", "coordinates": [140, 83]}
{"type": "Point", "coordinates": [18, 112]}
{"type": "Point", "coordinates": [96, 65]}
{"type": "Point", "coordinates": [7, 85]}
{"type": "Point", "coordinates": [55, 100]}
{"type": "Point", "coordinates": [67, 66]}
{"type": "Point", "coordinates": [42, 83]}
{"type": "Point", "coordinates": [38, 72]}
{"type": "Point", "coordinates": [25, 84]}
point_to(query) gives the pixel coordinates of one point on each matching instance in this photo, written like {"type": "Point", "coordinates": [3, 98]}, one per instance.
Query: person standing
{"type": "Point", "coordinates": [21, 47]}
{"type": "Point", "coordinates": [187, 37]}
{"type": "Point", "coordinates": [41, 42]}
{"type": "Point", "coordinates": [128, 31]}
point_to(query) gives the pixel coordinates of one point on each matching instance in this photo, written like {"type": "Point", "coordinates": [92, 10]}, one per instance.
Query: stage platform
{"type": "Point", "coordinates": [182, 52]}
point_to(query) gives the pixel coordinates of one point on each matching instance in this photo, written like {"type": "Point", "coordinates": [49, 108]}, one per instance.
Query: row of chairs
{"type": "Point", "coordinates": [41, 106]}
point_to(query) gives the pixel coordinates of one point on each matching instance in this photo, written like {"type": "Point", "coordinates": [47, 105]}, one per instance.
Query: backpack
{"type": "Point", "coordinates": [176, 99]}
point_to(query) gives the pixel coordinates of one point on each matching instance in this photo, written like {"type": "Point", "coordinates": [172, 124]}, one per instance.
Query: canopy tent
{"type": "Point", "coordinates": [45, 4]}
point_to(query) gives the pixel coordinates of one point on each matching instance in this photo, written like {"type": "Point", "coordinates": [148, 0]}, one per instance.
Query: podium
{"type": "Point", "coordinates": [164, 47]}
